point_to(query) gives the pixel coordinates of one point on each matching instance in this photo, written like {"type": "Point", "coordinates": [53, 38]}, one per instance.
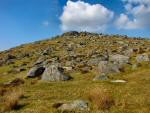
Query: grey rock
{"type": "Point", "coordinates": [101, 77]}
{"type": "Point", "coordinates": [121, 59]}
{"type": "Point", "coordinates": [75, 105]}
{"type": "Point", "coordinates": [129, 52]}
{"type": "Point", "coordinates": [47, 51]}
{"type": "Point", "coordinates": [54, 72]}
{"type": "Point", "coordinates": [94, 61]}
{"type": "Point", "coordinates": [105, 67]}
{"type": "Point", "coordinates": [35, 71]}
{"type": "Point", "coordinates": [71, 46]}
{"type": "Point", "coordinates": [142, 58]}
{"type": "Point", "coordinates": [10, 61]}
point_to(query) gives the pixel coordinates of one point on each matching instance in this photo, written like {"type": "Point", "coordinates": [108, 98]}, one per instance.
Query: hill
{"type": "Point", "coordinates": [77, 72]}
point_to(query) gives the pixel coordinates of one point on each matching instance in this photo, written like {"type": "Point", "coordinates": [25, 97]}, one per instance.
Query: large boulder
{"type": "Point", "coordinates": [54, 72]}
{"type": "Point", "coordinates": [35, 71]}
{"type": "Point", "coordinates": [121, 59]}
{"type": "Point", "coordinates": [105, 67]}
{"type": "Point", "coordinates": [142, 58]}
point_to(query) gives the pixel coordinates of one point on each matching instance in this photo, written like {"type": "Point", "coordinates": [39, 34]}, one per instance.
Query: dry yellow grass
{"type": "Point", "coordinates": [11, 99]}
{"type": "Point", "coordinates": [101, 98]}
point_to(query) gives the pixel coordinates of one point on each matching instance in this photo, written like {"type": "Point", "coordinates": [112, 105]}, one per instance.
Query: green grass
{"type": "Point", "coordinates": [131, 97]}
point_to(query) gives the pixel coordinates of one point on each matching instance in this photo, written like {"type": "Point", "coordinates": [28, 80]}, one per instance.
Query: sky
{"type": "Point", "coordinates": [24, 21]}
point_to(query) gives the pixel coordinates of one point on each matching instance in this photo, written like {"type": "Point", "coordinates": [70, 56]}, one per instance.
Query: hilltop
{"type": "Point", "coordinates": [77, 72]}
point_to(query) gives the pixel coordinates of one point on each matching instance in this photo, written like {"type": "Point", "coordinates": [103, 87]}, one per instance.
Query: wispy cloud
{"type": "Point", "coordinates": [45, 23]}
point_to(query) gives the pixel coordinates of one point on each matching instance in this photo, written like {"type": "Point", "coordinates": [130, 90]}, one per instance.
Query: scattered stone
{"type": "Point", "coordinates": [94, 61]}
{"type": "Point", "coordinates": [54, 73]}
{"type": "Point", "coordinates": [121, 59]}
{"type": "Point", "coordinates": [105, 67]}
{"type": "Point", "coordinates": [142, 58]}
{"type": "Point", "coordinates": [118, 81]}
{"type": "Point", "coordinates": [10, 61]}
{"type": "Point", "coordinates": [75, 105]}
{"type": "Point", "coordinates": [35, 72]}
{"type": "Point", "coordinates": [71, 46]}
{"type": "Point", "coordinates": [9, 57]}
{"type": "Point", "coordinates": [129, 52]}
{"type": "Point", "coordinates": [47, 51]}
{"type": "Point", "coordinates": [68, 68]}
{"type": "Point", "coordinates": [101, 77]}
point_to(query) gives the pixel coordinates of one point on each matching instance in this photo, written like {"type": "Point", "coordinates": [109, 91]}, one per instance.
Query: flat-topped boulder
{"type": "Point", "coordinates": [75, 105]}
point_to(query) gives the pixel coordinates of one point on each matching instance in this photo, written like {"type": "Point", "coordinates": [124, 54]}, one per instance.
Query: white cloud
{"type": "Point", "coordinates": [45, 23]}
{"type": "Point", "coordinates": [123, 22]}
{"type": "Point", "coordinates": [81, 16]}
{"type": "Point", "coordinates": [138, 1]}
{"type": "Point", "coordinates": [137, 15]}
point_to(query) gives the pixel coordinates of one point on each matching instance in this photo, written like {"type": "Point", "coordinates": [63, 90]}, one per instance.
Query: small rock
{"type": "Point", "coordinates": [143, 58]}
{"type": "Point", "coordinates": [68, 68]}
{"type": "Point", "coordinates": [75, 105]}
{"type": "Point", "coordinates": [101, 77]}
{"type": "Point", "coordinates": [118, 81]}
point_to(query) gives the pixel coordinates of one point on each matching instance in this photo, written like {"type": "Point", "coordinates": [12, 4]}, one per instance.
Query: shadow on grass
{"type": "Point", "coordinates": [20, 106]}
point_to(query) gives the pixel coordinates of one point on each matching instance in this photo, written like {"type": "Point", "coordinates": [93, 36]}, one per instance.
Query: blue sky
{"type": "Point", "coordinates": [23, 21]}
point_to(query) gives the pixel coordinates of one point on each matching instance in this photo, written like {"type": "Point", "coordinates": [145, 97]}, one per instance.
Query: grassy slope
{"type": "Point", "coordinates": [131, 97]}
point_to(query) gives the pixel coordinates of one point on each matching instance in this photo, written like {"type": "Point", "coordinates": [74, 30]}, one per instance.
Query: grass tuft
{"type": "Point", "coordinates": [101, 98]}
{"type": "Point", "coordinates": [11, 100]}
